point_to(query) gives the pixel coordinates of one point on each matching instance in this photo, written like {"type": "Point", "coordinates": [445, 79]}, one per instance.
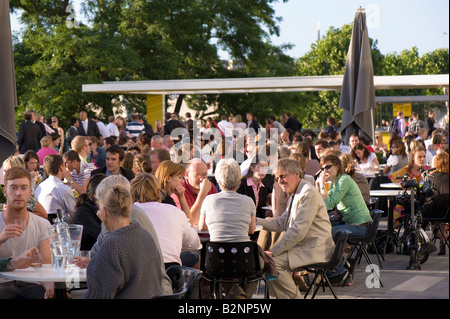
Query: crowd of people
{"type": "Point", "coordinates": [142, 194]}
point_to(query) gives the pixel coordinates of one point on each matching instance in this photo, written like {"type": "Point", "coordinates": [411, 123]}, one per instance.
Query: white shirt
{"type": "Point", "coordinates": [103, 130]}
{"type": "Point", "coordinates": [112, 129]}
{"type": "Point", "coordinates": [224, 125]}
{"type": "Point", "coordinates": [175, 233]}
{"type": "Point", "coordinates": [53, 194]}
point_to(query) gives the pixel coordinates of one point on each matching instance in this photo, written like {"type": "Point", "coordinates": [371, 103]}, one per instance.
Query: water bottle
{"type": "Point", "coordinates": [399, 247]}
{"type": "Point", "coordinates": [61, 243]}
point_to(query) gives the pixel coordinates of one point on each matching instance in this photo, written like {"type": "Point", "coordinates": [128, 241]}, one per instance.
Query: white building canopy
{"type": "Point", "coordinates": [264, 85]}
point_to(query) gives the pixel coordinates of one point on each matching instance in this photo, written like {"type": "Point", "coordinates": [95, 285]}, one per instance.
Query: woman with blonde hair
{"type": "Point", "coordinates": [46, 149]}
{"type": "Point", "coordinates": [174, 232]}
{"type": "Point", "coordinates": [60, 131]}
{"type": "Point", "coordinates": [127, 264]}
{"type": "Point", "coordinates": [142, 164]}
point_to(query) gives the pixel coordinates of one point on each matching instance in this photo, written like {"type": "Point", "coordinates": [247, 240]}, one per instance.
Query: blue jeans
{"type": "Point", "coordinates": [356, 231]}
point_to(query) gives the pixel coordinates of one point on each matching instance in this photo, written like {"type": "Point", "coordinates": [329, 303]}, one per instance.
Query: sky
{"type": "Point", "coordinates": [397, 25]}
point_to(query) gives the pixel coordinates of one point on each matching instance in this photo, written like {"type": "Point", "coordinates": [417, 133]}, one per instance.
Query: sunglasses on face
{"type": "Point", "coordinates": [327, 167]}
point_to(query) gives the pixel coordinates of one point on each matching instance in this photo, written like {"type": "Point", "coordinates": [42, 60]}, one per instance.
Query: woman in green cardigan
{"type": "Point", "coordinates": [344, 195]}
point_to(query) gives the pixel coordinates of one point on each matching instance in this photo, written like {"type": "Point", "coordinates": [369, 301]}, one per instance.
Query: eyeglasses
{"type": "Point", "coordinates": [327, 167]}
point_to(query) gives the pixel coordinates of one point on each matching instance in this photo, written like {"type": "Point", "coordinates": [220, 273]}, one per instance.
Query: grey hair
{"type": "Point", "coordinates": [228, 174]}
{"type": "Point", "coordinates": [109, 182]}
{"type": "Point", "coordinates": [291, 166]}
{"type": "Point", "coordinates": [157, 138]}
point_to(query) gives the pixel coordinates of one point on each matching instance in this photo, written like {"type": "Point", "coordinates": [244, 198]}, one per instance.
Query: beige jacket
{"type": "Point", "coordinates": [308, 236]}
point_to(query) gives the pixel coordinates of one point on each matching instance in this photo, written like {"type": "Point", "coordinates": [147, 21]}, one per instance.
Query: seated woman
{"type": "Point", "coordinates": [175, 233]}
{"type": "Point", "coordinates": [31, 160]}
{"type": "Point", "coordinates": [349, 169]}
{"type": "Point", "coordinates": [252, 185]}
{"type": "Point", "coordinates": [229, 216]}
{"type": "Point", "coordinates": [417, 161]}
{"type": "Point", "coordinates": [437, 205]}
{"type": "Point", "coordinates": [366, 161]}
{"type": "Point", "coordinates": [379, 145]}
{"type": "Point", "coordinates": [171, 177]}
{"type": "Point", "coordinates": [345, 195]}
{"type": "Point", "coordinates": [86, 213]}
{"type": "Point", "coordinates": [398, 158]}
{"type": "Point", "coordinates": [128, 263]}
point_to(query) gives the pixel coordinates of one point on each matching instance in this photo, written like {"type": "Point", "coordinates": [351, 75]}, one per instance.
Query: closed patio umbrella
{"type": "Point", "coordinates": [8, 97]}
{"type": "Point", "coordinates": [357, 97]}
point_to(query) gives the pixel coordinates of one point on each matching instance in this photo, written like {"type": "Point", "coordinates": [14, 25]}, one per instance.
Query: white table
{"type": "Point", "coordinates": [70, 278]}
{"type": "Point", "coordinates": [390, 185]}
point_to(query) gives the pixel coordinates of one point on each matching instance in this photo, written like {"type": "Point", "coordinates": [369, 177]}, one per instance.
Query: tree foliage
{"type": "Point", "coordinates": [179, 39]}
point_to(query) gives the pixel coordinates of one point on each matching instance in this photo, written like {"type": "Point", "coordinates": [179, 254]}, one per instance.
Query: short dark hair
{"type": "Point", "coordinates": [72, 155]}
{"type": "Point", "coordinates": [73, 120]}
{"type": "Point", "coordinates": [52, 163]}
{"type": "Point", "coordinates": [116, 149]}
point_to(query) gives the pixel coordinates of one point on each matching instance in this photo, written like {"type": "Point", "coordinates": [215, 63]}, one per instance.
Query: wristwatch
{"type": "Point", "coordinates": [9, 266]}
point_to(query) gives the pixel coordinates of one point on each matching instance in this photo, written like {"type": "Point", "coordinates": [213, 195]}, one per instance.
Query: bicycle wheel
{"type": "Point", "coordinates": [418, 250]}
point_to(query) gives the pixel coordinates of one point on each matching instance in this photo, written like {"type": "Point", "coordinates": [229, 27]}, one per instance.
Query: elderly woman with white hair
{"type": "Point", "coordinates": [229, 216]}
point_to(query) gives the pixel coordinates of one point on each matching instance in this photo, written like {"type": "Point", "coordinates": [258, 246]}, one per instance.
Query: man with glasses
{"type": "Point", "coordinates": [307, 227]}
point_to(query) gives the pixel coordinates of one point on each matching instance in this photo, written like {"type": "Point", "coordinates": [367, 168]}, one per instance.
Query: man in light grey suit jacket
{"type": "Point", "coordinates": [307, 227]}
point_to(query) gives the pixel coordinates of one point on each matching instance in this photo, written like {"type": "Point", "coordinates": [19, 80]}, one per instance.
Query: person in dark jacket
{"type": "Point", "coordinates": [86, 213]}
{"type": "Point", "coordinates": [87, 127]}
{"type": "Point", "coordinates": [30, 134]}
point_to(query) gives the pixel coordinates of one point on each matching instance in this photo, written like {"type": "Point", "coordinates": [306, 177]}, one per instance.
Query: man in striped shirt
{"type": "Point", "coordinates": [134, 128]}
{"type": "Point", "coordinates": [77, 172]}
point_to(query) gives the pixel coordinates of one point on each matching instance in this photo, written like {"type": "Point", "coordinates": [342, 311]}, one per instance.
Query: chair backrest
{"type": "Point", "coordinates": [340, 240]}
{"type": "Point", "coordinates": [184, 277]}
{"type": "Point", "coordinates": [376, 217]}
{"type": "Point", "coordinates": [232, 260]}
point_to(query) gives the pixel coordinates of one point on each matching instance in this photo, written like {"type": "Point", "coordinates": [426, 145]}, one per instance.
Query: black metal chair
{"type": "Point", "coordinates": [182, 276]}
{"type": "Point", "coordinates": [183, 282]}
{"type": "Point", "coordinates": [320, 269]}
{"type": "Point", "coordinates": [230, 263]}
{"type": "Point", "coordinates": [361, 243]}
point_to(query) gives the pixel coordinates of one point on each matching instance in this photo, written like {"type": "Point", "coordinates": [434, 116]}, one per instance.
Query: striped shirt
{"type": "Point", "coordinates": [135, 128]}
{"type": "Point", "coordinates": [85, 172]}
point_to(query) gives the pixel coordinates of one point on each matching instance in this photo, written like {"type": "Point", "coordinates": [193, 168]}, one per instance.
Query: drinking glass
{"type": "Point", "coordinates": [76, 232]}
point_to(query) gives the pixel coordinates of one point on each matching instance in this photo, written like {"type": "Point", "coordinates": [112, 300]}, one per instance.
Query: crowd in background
{"type": "Point", "coordinates": [168, 178]}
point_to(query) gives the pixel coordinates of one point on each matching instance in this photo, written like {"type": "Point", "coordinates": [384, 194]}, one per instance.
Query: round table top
{"type": "Point", "coordinates": [385, 192]}
{"type": "Point", "coordinates": [390, 185]}
{"type": "Point", "coordinates": [46, 273]}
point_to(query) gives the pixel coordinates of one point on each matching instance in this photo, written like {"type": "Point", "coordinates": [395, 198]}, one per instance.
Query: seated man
{"type": "Point", "coordinates": [307, 227]}
{"type": "Point", "coordinates": [20, 231]}
{"type": "Point", "coordinates": [52, 193]}
{"type": "Point", "coordinates": [114, 158]}
{"type": "Point", "coordinates": [77, 172]}
{"type": "Point", "coordinates": [197, 187]}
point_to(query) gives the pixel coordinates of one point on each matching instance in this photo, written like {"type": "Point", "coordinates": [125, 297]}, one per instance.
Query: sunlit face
{"type": "Point", "coordinates": [353, 141]}
{"type": "Point", "coordinates": [288, 182]}
{"type": "Point", "coordinates": [32, 164]}
{"type": "Point", "coordinates": [17, 192]}
{"type": "Point", "coordinates": [175, 181]}
{"type": "Point", "coordinates": [112, 162]}
{"type": "Point", "coordinates": [359, 153]}
{"type": "Point", "coordinates": [155, 162]}
{"type": "Point", "coordinates": [319, 149]}
{"type": "Point", "coordinates": [330, 171]}
{"type": "Point", "coordinates": [196, 173]}
{"type": "Point", "coordinates": [260, 170]}
{"type": "Point", "coordinates": [420, 158]}
{"type": "Point", "coordinates": [83, 116]}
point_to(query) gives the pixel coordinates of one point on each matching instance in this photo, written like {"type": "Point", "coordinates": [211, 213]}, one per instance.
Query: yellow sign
{"type": "Point", "coordinates": [404, 107]}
